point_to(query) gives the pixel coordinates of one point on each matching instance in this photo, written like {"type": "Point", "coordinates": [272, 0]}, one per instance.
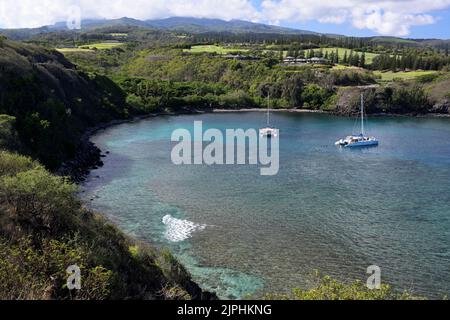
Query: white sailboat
{"type": "Point", "coordinates": [360, 140]}
{"type": "Point", "coordinates": [268, 131]}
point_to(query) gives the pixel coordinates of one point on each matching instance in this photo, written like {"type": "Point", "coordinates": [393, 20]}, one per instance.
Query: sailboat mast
{"type": "Point", "coordinates": [362, 113]}
{"type": "Point", "coordinates": [268, 109]}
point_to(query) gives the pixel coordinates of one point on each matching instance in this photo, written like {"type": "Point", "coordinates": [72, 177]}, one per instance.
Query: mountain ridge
{"type": "Point", "coordinates": [206, 25]}
{"type": "Point", "coordinates": [180, 24]}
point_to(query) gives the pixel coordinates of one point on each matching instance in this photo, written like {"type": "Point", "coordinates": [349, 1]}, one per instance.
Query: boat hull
{"type": "Point", "coordinates": [362, 144]}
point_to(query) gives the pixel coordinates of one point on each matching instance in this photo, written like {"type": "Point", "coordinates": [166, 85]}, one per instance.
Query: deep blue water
{"type": "Point", "coordinates": [329, 209]}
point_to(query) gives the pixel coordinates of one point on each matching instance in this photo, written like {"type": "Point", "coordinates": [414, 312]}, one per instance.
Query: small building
{"type": "Point", "coordinates": [316, 60]}
{"type": "Point", "coordinates": [299, 61]}
{"type": "Point", "coordinates": [240, 57]}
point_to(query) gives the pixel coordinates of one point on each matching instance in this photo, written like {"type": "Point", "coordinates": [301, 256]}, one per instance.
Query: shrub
{"type": "Point", "coordinates": [328, 288]}
{"type": "Point", "coordinates": [427, 78]}
{"type": "Point", "coordinates": [30, 273]}
{"type": "Point", "coordinates": [8, 135]}
{"type": "Point", "coordinates": [315, 97]}
{"type": "Point", "coordinates": [236, 99]}
{"type": "Point", "coordinates": [413, 99]}
{"type": "Point", "coordinates": [11, 164]}
{"type": "Point", "coordinates": [36, 200]}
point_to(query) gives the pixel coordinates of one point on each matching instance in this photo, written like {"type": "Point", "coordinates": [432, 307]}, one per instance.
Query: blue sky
{"type": "Point", "coordinates": [439, 29]}
{"type": "Point", "coordinates": [404, 18]}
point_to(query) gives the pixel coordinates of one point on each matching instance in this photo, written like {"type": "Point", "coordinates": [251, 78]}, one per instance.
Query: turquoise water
{"type": "Point", "coordinates": [329, 209]}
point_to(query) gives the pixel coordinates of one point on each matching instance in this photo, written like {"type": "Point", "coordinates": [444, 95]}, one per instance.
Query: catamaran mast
{"type": "Point", "coordinates": [362, 113]}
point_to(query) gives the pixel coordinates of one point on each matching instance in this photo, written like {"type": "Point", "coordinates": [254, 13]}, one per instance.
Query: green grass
{"type": "Point", "coordinates": [213, 49]}
{"type": "Point", "coordinates": [369, 56]}
{"type": "Point", "coordinates": [90, 47]}
{"type": "Point", "coordinates": [393, 40]}
{"type": "Point", "coordinates": [120, 35]}
{"type": "Point", "coordinates": [70, 50]}
{"type": "Point", "coordinates": [391, 76]}
{"type": "Point", "coordinates": [102, 45]}
{"type": "Point", "coordinates": [343, 67]}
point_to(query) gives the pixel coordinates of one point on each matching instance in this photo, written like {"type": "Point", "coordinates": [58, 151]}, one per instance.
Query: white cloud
{"type": "Point", "coordinates": [31, 13]}
{"type": "Point", "coordinates": [386, 17]}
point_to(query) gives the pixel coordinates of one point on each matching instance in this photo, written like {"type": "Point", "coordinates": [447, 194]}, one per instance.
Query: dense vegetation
{"type": "Point", "coordinates": [51, 102]}
{"type": "Point", "coordinates": [160, 78]}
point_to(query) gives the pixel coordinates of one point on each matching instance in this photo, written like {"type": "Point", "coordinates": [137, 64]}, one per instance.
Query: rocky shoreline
{"type": "Point", "coordinates": [89, 156]}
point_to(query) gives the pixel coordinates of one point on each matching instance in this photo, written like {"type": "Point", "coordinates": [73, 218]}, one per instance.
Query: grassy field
{"type": "Point", "coordinates": [343, 67]}
{"type": "Point", "coordinates": [90, 47]}
{"type": "Point", "coordinates": [393, 40]}
{"type": "Point", "coordinates": [102, 45]}
{"type": "Point", "coordinates": [390, 76]}
{"type": "Point", "coordinates": [213, 49]}
{"type": "Point", "coordinates": [119, 35]}
{"type": "Point", "coordinates": [341, 51]}
{"type": "Point", "coordinates": [70, 50]}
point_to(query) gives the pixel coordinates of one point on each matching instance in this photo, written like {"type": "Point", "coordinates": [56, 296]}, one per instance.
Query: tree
{"type": "Point", "coordinates": [281, 55]}
{"type": "Point", "coordinates": [350, 58]}
{"type": "Point", "coordinates": [9, 138]}
{"type": "Point", "coordinates": [362, 62]}
{"type": "Point", "coordinates": [345, 59]}
{"type": "Point", "coordinates": [332, 58]}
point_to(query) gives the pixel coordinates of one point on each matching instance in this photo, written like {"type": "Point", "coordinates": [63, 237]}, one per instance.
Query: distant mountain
{"type": "Point", "coordinates": [93, 24]}
{"type": "Point", "coordinates": [178, 24]}
{"type": "Point", "coordinates": [195, 25]}
{"type": "Point", "coordinates": [24, 33]}
{"type": "Point", "coordinates": [198, 25]}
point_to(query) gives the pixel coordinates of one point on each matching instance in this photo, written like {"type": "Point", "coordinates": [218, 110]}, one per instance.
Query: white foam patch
{"type": "Point", "coordinates": [178, 230]}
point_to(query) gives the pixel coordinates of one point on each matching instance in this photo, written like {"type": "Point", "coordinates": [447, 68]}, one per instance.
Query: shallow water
{"type": "Point", "coordinates": [329, 209]}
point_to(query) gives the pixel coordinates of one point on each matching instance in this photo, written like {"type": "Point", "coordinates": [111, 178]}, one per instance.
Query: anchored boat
{"type": "Point", "coordinates": [360, 140]}
{"type": "Point", "coordinates": [269, 131]}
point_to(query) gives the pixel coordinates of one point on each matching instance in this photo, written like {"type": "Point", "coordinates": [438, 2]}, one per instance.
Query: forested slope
{"type": "Point", "coordinates": [51, 101]}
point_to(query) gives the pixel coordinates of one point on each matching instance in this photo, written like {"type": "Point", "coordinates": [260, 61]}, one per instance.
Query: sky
{"type": "Point", "coordinates": [403, 18]}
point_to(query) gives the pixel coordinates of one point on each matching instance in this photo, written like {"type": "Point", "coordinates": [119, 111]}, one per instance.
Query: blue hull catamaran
{"type": "Point", "coordinates": [360, 140]}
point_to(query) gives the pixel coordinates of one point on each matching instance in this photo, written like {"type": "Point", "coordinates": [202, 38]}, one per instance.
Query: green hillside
{"type": "Point", "coordinates": [52, 102]}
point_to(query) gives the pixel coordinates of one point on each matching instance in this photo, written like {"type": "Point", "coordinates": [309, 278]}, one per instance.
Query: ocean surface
{"type": "Point", "coordinates": [329, 209]}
